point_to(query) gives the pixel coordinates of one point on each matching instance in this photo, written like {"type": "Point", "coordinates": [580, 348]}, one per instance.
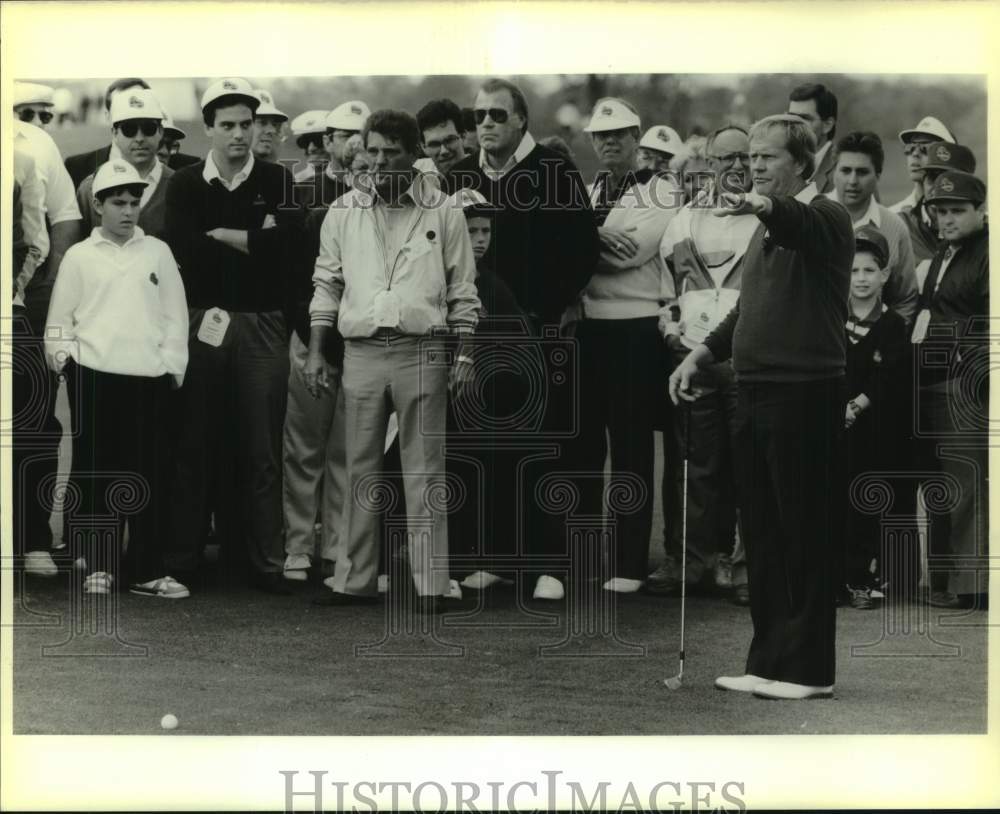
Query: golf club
{"type": "Point", "coordinates": [674, 682]}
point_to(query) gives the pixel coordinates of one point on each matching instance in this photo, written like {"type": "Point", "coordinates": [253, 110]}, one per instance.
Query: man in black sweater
{"type": "Point", "coordinates": [545, 249]}
{"type": "Point", "coordinates": [787, 341]}
{"type": "Point", "coordinates": [235, 234]}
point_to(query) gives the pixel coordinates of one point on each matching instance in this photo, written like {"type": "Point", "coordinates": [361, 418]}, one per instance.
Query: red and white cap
{"type": "Point", "coordinates": [267, 107]}
{"type": "Point", "coordinates": [116, 173]}
{"type": "Point", "coordinates": [348, 116]}
{"type": "Point", "coordinates": [135, 103]}
{"type": "Point", "coordinates": [663, 138]}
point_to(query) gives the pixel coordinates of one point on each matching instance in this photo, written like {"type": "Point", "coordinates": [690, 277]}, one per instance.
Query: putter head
{"type": "Point", "coordinates": [672, 683]}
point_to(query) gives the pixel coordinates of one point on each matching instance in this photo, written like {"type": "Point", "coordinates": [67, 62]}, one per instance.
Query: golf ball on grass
{"type": "Point", "coordinates": [168, 722]}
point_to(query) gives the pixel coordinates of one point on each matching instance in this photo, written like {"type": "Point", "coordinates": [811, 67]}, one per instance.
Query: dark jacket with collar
{"type": "Point", "coordinates": [545, 245]}
{"type": "Point", "coordinates": [823, 177]}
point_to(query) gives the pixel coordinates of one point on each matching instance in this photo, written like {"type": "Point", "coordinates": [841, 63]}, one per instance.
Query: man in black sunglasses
{"type": "Point", "coordinates": [136, 130]}
{"type": "Point", "coordinates": [914, 142]}
{"type": "Point", "coordinates": [33, 103]}
{"type": "Point", "coordinates": [84, 164]}
{"type": "Point", "coordinates": [545, 248]}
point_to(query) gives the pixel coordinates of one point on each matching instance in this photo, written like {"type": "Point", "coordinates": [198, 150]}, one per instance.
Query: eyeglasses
{"type": "Point", "coordinates": [149, 127]}
{"type": "Point", "coordinates": [497, 114]}
{"type": "Point", "coordinates": [915, 148]}
{"type": "Point", "coordinates": [730, 158]}
{"type": "Point", "coordinates": [29, 113]}
{"type": "Point", "coordinates": [436, 146]}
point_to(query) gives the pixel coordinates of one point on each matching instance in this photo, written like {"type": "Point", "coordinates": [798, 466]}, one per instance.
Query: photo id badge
{"type": "Point", "coordinates": [386, 309]}
{"type": "Point", "coordinates": [920, 326]}
{"type": "Point", "coordinates": [213, 328]}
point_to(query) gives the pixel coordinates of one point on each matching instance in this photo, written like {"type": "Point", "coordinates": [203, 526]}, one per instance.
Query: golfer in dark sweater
{"type": "Point", "coordinates": [786, 338]}
{"type": "Point", "coordinates": [545, 249]}
{"type": "Point", "coordinates": [235, 238]}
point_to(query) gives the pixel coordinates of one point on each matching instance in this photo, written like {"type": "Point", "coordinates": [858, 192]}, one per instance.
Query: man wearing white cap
{"type": "Point", "coordinates": [118, 320]}
{"type": "Point", "coordinates": [235, 239]}
{"type": "Point", "coordinates": [618, 313]}
{"type": "Point", "coordinates": [169, 151]}
{"type": "Point", "coordinates": [658, 145]}
{"type": "Point", "coordinates": [84, 164]}
{"type": "Point", "coordinates": [40, 441]}
{"type": "Point", "coordinates": [309, 129]}
{"type": "Point", "coordinates": [33, 103]}
{"type": "Point", "coordinates": [268, 123]}
{"type": "Point", "coordinates": [136, 129]}
{"type": "Point", "coordinates": [914, 141]}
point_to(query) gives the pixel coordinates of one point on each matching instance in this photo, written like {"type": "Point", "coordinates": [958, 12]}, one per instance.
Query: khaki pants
{"type": "Point", "coordinates": [314, 463]}
{"type": "Point", "coordinates": [407, 374]}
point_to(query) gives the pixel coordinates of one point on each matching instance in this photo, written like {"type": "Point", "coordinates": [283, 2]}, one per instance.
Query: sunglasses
{"type": "Point", "coordinates": [497, 114]}
{"type": "Point", "coordinates": [29, 113]}
{"type": "Point", "coordinates": [917, 148]}
{"type": "Point", "coordinates": [730, 158]}
{"type": "Point", "coordinates": [149, 127]}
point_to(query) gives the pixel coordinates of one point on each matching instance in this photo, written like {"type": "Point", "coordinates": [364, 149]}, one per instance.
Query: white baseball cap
{"type": "Point", "coordinates": [30, 93]}
{"type": "Point", "coordinates": [135, 103]}
{"type": "Point", "coordinates": [928, 126]}
{"type": "Point", "coordinates": [267, 107]}
{"type": "Point", "coordinates": [231, 86]}
{"type": "Point", "coordinates": [312, 121]}
{"type": "Point", "coordinates": [611, 114]}
{"type": "Point", "coordinates": [116, 173]}
{"type": "Point", "coordinates": [170, 127]}
{"type": "Point", "coordinates": [664, 138]}
{"type": "Point", "coordinates": [348, 116]}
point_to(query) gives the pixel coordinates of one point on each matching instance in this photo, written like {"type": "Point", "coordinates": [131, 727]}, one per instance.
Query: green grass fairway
{"type": "Point", "coordinates": [241, 663]}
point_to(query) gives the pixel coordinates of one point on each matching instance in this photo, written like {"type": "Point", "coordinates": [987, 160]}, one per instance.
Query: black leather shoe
{"type": "Point", "coordinates": [741, 595]}
{"type": "Point", "coordinates": [339, 600]}
{"type": "Point", "coordinates": [272, 584]}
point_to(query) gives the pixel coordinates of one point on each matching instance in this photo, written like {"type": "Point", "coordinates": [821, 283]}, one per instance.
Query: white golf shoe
{"type": "Point", "coordinates": [621, 585]}
{"type": "Point", "coordinates": [548, 588]}
{"type": "Point", "coordinates": [743, 683]}
{"type": "Point", "coordinates": [39, 564]}
{"type": "Point", "coordinates": [787, 691]}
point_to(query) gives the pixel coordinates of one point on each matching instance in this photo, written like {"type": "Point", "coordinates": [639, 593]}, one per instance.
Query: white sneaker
{"type": "Point", "coordinates": [383, 583]}
{"type": "Point", "coordinates": [296, 566]}
{"type": "Point", "coordinates": [787, 691]}
{"type": "Point", "coordinates": [743, 683]}
{"type": "Point", "coordinates": [98, 583]}
{"type": "Point", "coordinates": [328, 582]}
{"type": "Point", "coordinates": [548, 588]}
{"type": "Point", "coordinates": [454, 592]}
{"type": "Point", "coordinates": [164, 588]}
{"type": "Point", "coordinates": [621, 585]}
{"type": "Point", "coordinates": [481, 580]}
{"type": "Point", "coordinates": [39, 564]}
{"type": "Point", "coordinates": [79, 564]}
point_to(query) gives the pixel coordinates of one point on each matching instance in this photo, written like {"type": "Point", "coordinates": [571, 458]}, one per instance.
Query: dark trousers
{"type": "Point", "coordinates": [121, 467]}
{"type": "Point", "coordinates": [230, 414]}
{"type": "Point", "coordinates": [706, 429]}
{"type": "Point", "coordinates": [621, 376]}
{"type": "Point", "coordinates": [957, 446]}
{"type": "Point", "coordinates": [792, 491]}
{"type": "Point", "coordinates": [36, 430]}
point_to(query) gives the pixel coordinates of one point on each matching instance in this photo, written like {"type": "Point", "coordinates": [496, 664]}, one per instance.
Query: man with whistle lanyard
{"type": "Point", "coordinates": [952, 324]}
{"type": "Point", "coordinates": [787, 341]}
{"type": "Point", "coordinates": [236, 241]}
{"type": "Point", "coordinates": [395, 266]}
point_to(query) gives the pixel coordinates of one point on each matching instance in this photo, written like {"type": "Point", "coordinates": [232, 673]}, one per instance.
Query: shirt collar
{"type": "Point", "coordinates": [872, 213]}
{"type": "Point", "coordinates": [211, 171]}
{"type": "Point", "coordinates": [526, 145]}
{"type": "Point", "coordinates": [807, 193]}
{"type": "Point", "coordinates": [820, 155]}
{"type": "Point", "coordinates": [97, 238]}
{"type": "Point", "coordinates": [873, 313]}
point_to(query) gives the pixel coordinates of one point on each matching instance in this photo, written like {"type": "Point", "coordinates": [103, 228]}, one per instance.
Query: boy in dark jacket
{"type": "Point", "coordinates": [876, 352]}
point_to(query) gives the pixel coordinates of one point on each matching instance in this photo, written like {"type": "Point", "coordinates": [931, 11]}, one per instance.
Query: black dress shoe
{"type": "Point", "coordinates": [272, 584]}
{"type": "Point", "coordinates": [333, 599]}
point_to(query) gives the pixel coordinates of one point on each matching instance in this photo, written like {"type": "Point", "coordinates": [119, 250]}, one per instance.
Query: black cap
{"type": "Point", "coordinates": [957, 186]}
{"type": "Point", "coordinates": [870, 239]}
{"type": "Point", "coordinates": [944, 156]}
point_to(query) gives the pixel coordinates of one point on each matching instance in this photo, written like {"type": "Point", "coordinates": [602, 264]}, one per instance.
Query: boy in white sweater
{"type": "Point", "coordinates": [118, 325]}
